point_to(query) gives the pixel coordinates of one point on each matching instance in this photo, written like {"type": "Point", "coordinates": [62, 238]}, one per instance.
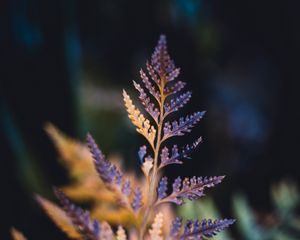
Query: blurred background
{"type": "Point", "coordinates": [66, 62]}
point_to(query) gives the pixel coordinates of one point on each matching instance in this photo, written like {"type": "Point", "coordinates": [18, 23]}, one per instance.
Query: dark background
{"type": "Point", "coordinates": [240, 58]}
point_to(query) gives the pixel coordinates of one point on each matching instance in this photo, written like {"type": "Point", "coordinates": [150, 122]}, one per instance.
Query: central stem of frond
{"type": "Point", "coordinates": [154, 175]}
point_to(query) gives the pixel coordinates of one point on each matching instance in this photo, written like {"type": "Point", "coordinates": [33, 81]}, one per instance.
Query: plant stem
{"type": "Point", "coordinates": [153, 179]}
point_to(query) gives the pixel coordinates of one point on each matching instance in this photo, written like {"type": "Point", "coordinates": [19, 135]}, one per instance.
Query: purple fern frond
{"type": "Point", "coordinates": [176, 87]}
{"type": "Point", "coordinates": [90, 229]}
{"type": "Point", "coordinates": [107, 171]}
{"type": "Point", "coordinates": [126, 188]}
{"type": "Point", "coordinates": [175, 228]}
{"type": "Point", "coordinates": [173, 74]}
{"type": "Point", "coordinates": [188, 149]}
{"type": "Point", "coordinates": [152, 74]}
{"type": "Point", "coordinates": [204, 228]}
{"type": "Point", "coordinates": [149, 106]}
{"type": "Point", "coordinates": [191, 188]}
{"type": "Point", "coordinates": [149, 86]}
{"type": "Point", "coordinates": [166, 159]}
{"type": "Point", "coordinates": [137, 199]}
{"type": "Point", "coordinates": [176, 155]}
{"type": "Point", "coordinates": [177, 103]}
{"type": "Point", "coordinates": [160, 59]}
{"type": "Point", "coordinates": [162, 188]}
{"type": "Point", "coordinates": [184, 125]}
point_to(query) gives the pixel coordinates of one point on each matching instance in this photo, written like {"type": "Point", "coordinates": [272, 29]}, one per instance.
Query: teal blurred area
{"type": "Point", "coordinates": [66, 62]}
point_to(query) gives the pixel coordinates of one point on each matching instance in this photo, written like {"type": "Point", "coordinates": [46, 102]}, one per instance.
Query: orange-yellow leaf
{"type": "Point", "coordinates": [74, 155]}
{"type": "Point", "coordinates": [17, 235]}
{"type": "Point", "coordinates": [138, 119]}
{"type": "Point", "coordinates": [59, 217]}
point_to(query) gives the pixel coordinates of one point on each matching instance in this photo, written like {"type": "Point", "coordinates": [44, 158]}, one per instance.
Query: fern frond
{"type": "Point", "coordinates": [175, 229]}
{"type": "Point", "coordinates": [153, 74]}
{"type": "Point", "coordinates": [175, 104]}
{"type": "Point", "coordinates": [177, 156]}
{"type": "Point", "coordinates": [184, 125]}
{"type": "Point", "coordinates": [161, 61]}
{"type": "Point", "coordinates": [149, 106]}
{"type": "Point", "coordinates": [74, 155]}
{"type": "Point", "coordinates": [137, 200]}
{"type": "Point", "coordinates": [190, 188]}
{"type": "Point", "coordinates": [175, 88]}
{"type": "Point", "coordinates": [162, 188]}
{"type": "Point", "coordinates": [121, 235]}
{"type": "Point", "coordinates": [152, 89]}
{"type": "Point", "coordinates": [110, 175]}
{"type": "Point", "coordinates": [59, 217]}
{"type": "Point", "coordinates": [156, 228]}
{"type": "Point", "coordinates": [87, 227]}
{"type": "Point", "coordinates": [17, 235]}
{"type": "Point", "coordinates": [138, 119]}
{"type": "Point", "coordinates": [204, 228]}
{"type": "Point", "coordinates": [107, 171]}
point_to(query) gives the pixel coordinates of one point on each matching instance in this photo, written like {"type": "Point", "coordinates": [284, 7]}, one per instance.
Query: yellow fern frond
{"type": "Point", "coordinates": [138, 119]}
{"type": "Point", "coordinates": [89, 189]}
{"type": "Point", "coordinates": [59, 217]}
{"type": "Point", "coordinates": [120, 216]}
{"type": "Point", "coordinates": [74, 155]}
{"type": "Point", "coordinates": [156, 229]}
{"type": "Point", "coordinates": [17, 235]}
{"type": "Point", "coordinates": [121, 235]}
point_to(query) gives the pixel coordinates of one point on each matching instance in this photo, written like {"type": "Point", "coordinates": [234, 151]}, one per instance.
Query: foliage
{"type": "Point", "coordinates": [119, 198]}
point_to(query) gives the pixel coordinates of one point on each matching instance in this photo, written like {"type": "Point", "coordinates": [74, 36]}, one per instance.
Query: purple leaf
{"type": "Point", "coordinates": [162, 188]}
{"type": "Point", "coordinates": [204, 228]}
{"type": "Point", "coordinates": [173, 74]}
{"type": "Point", "coordinates": [177, 156]}
{"type": "Point", "coordinates": [166, 159]}
{"type": "Point", "coordinates": [191, 188]}
{"type": "Point", "coordinates": [188, 149]}
{"type": "Point", "coordinates": [184, 125]}
{"type": "Point", "coordinates": [176, 87]}
{"type": "Point", "coordinates": [137, 200]}
{"type": "Point", "coordinates": [149, 86]}
{"type": "Point", "coordinates": [107, 171]}
{"type": "Point", "coordinates": [177, 103]}
{"type": "Point", "coordinates": [126, 188]}
{"type": "Point", "coordinates": [89, 228]}
{"type": "Point", "coordinates": [160, 59]}
{"type": "Point", "coordinates": [152, 74]}
{"type": "Point", "coordinates": [175, 228]}
{"type": "Point", "coordinates": [149, 106]}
